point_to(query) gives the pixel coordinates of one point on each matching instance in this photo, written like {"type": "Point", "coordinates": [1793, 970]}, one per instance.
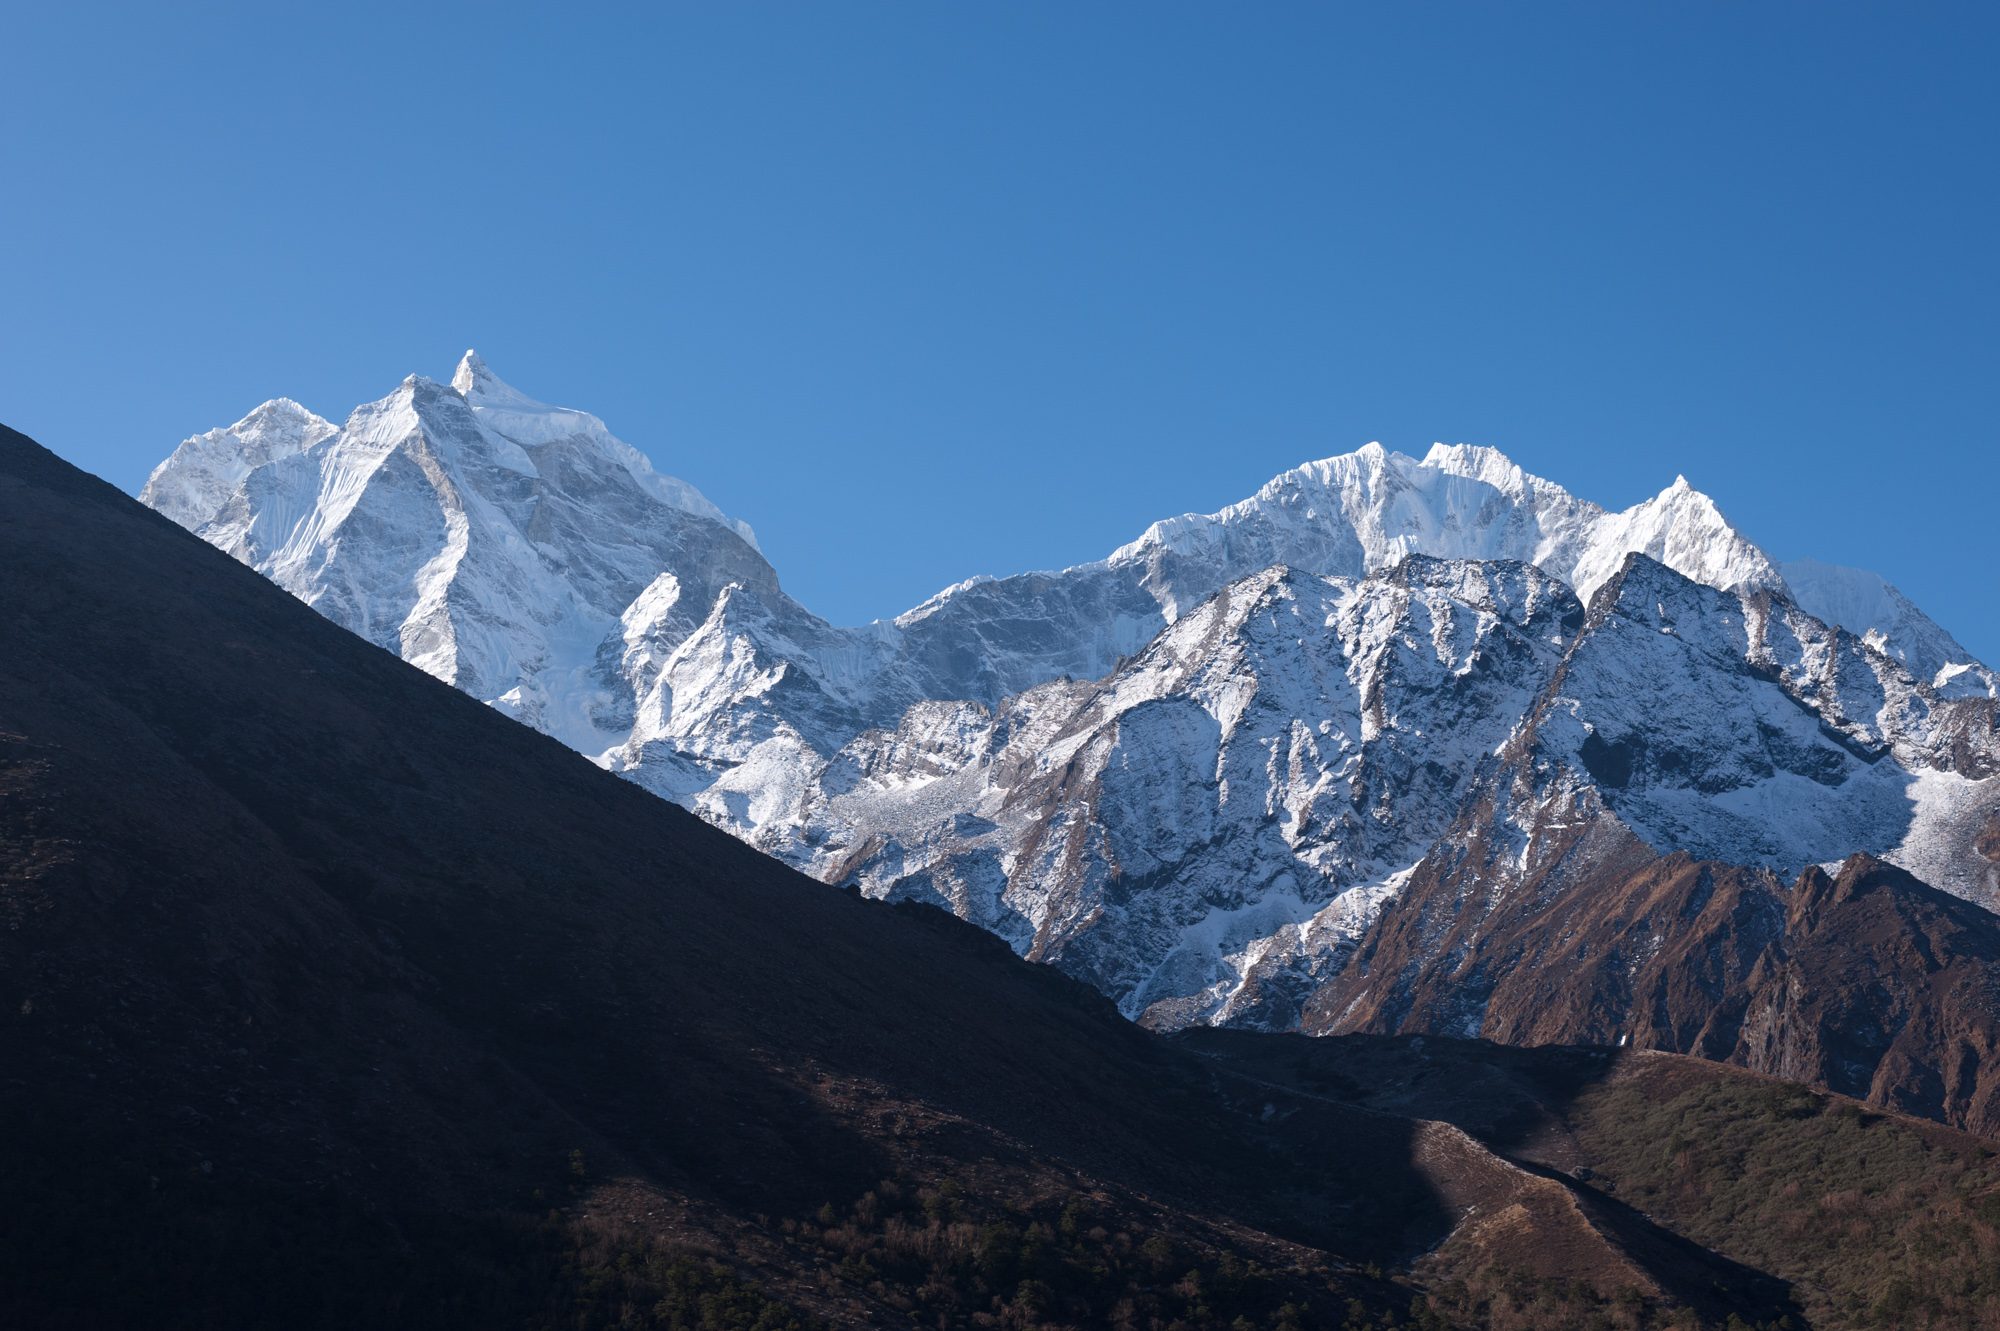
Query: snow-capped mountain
{"type": "Point", "coordinates": [1207, 832]}
{"type": "Point", "coordinates": [495, 543]}
{"type": "Point", "coordinates": [1733, 726]}
{"type": "Point", "coordinates": [1191, 772]}
{"type": "Point", "coordinates": [1868, 605]}
{"type": "Point", "coordinates": [1737, 727]}
{"type": "Point", "coordinates": [194, 483]}
{"type": "Point", "coordinates": [1245, 790]}
{"type": "Point", "coordinates": [1636, 865]}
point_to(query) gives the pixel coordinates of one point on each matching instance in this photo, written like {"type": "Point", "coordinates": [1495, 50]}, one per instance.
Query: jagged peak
{"type": "Point", "coordinates": [1682, 502]}
{"type": "Point", "coordinates": [475, 381]}
{"type": "Point", "coordinates": [1681, 498]}
{"type": "Point", "coordinates": [527, 421]}
{"type": "Point", "coordinates": [471, 366]}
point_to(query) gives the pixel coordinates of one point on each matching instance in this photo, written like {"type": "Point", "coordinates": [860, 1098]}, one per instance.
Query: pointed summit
{"type": "Point", "coordinates": [513, 415]}
{"type": "Point", "coordinates": [1682, 528]}
{"type": "Point", "coordinates": [471, 369]}
{"type": "Point", "coordinates": [475, 381]}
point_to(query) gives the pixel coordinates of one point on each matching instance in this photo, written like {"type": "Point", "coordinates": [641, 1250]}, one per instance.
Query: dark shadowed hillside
{"type": "Point", "coordinates": [330, 997]}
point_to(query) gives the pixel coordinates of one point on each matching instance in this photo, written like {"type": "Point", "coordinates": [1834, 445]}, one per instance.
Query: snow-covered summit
{"type": "Point", "coordinates": [1369, 509]}
{"type": "Point", "coordinates": [191, 484]}
{"type": "Point", "coordinates": [509, 412]}
{"type": "Point", "coordinates": [488, 538]}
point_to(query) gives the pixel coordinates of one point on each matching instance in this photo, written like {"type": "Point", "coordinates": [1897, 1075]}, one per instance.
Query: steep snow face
{"type": "Point", "coordinates": [201, 474]}
{"type": "Point", "coordinates": [1736, 727]}
{"type": "Point", "coordinates": [493, 542]}
{"type": "Point", "coordinates": [1681, 528]}
{"type": "Point", "coordinates": [753, 697]}
{"type": "Point", "coordinates": [1204, 833]}
{"type": "Point", "coordinates": [1870, 606]}
{"type": "Point", "coordinates": [513, 415]}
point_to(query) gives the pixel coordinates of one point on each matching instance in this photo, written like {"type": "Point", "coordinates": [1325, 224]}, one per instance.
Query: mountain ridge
{"type": "Point", "coordinates": [1196, 772]}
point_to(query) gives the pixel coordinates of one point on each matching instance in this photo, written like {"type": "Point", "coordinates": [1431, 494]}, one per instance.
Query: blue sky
{"type": "Point", "coordinates": [925, 290]}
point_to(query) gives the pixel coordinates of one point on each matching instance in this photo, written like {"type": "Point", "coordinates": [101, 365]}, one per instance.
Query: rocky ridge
{"type": "Point", "coordinates": [1193, 773]}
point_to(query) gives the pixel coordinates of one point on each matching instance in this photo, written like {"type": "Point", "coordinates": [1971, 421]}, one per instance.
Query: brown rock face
{"type": "Point", "coordinates": [1865, 982]}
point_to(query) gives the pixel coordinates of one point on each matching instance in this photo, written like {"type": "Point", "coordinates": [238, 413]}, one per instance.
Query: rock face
{"type": "Point", "coordinates": [1888, 621]}
{"type": "Point", "coordinates": [1864, 981]}
{"type": "Point", "coordinates": [1240, 796]}
{"type": "Point", "coordinates": [1193, 773]}
{"type": "Point", "coordinates": [1626, 871]}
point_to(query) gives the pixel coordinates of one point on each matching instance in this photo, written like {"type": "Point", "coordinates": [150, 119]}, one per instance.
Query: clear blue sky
{"type": "Point", "coordinates": [925, 290]}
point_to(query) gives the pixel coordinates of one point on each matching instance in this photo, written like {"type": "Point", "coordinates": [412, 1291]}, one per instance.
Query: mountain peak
{"type": "Point", "coordinates": [1681, 497]}
{"type": "Point", "coordinates": [1479, 462]}
{"type": "Point", "coordinates": [277, 412]}
{"type": "Point", "coordinates": [194, 481]}
{"type": "Point", "coordinates": [471, 369]}
{"type": "Point", "coordinates": [475, 381]}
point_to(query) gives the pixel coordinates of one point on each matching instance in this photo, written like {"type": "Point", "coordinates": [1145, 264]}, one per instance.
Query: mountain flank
{"type": "Point", "coordinates": [331, 997]}
{"type": "Point", "coordinates": [1194, 773]}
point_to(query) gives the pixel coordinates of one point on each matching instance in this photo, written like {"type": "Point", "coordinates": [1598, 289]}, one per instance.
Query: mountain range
{"type": "Point", "coordinates": [332, 997]}
{"type": "Point", "coordinates": [1352, 754]}
{"type": "Point", "coordinates": [329, 998]}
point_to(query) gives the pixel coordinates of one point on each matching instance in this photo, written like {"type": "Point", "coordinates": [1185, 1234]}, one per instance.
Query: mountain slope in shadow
{"type": "Point", "coordinates": [330, 997]}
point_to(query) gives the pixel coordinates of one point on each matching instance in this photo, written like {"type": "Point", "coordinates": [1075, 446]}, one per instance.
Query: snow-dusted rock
{"type": "Point", "coordinates": [1871, 607]}
{"type": "Point", "coordinates": [1211, 826]}
{"type": "Point", "coordinates": [1191, 772]}
{"type": "Point", "coordinates": [1736, 727]}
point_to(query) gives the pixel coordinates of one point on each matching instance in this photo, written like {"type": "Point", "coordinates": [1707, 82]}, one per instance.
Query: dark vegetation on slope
{"type": "Point", "coordinates": [330, 998]}
{"type": "Point", "coordinates": [1875, 1220]}
{"type": "Point", "coordinates": [319, 981]}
